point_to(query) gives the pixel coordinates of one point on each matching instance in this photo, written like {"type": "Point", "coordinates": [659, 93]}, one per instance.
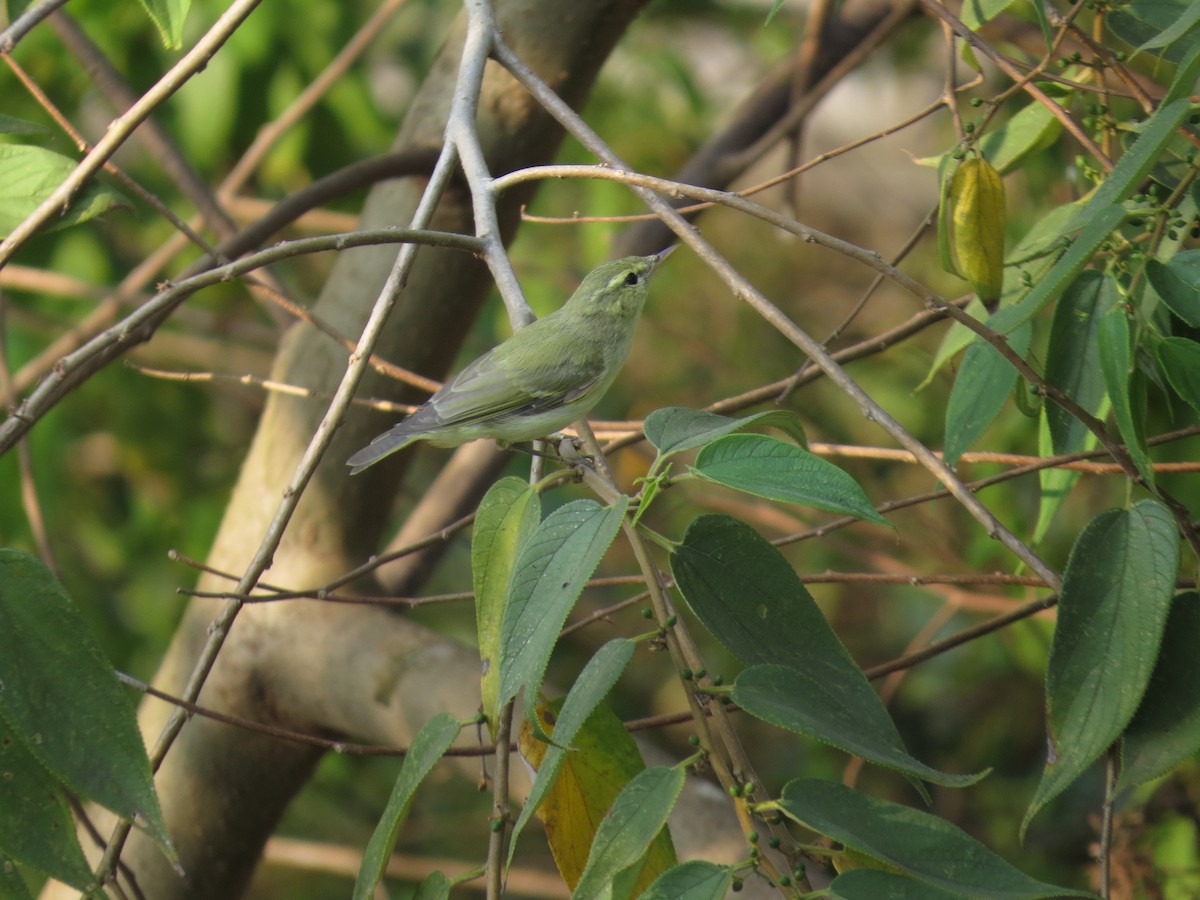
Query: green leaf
{"type": "Point", "coordinates": [603, 759]}
{"type": "Point", "coordinates": [1131, 170]}
{"type": "Point", "coordinates": [555, 564]}
{"type": "Point", "coordinates": [747, 595]}
{"type": "Point", "coordinates": [1166, 728]}
{"type": "Point", "coordinates": [692, 880]}
{"type": "Point", "coordinates": [638, 815]}
{"type": "Point", "coordinates": [917, 843]}
{"type": "Point", "coordinates": [1073, 356]}
{"type": "Point", "coordinates": [29, 175]}
{"type": "Point", "coordinates": [435, 886]}
{"type": "Point", "coordinates": [1115, 597]}
{"type": "Point", "coordinates": [947, 165]}
{"type": "Point", "coordinates": [1033, 129]}
{"type": "Point", "coordinates": [591, 687]}
{"type": "Point", "coordinates": [675, 429]}
{"type": "Point", "coordinates": [168, 17]}
{"type": "Point", "coordinates": [750, 599]}
{"type": "Point", "coordinates": [1156, 24]}
{"type": "Point", "coordinates": [1180, 361]}
{"type": "Point", "coordinates": [981, 389]}
{"type": "Point", "coordinates": [429, 746]}
{"type": "Point", "coordinates": [838, 713]}
{"type": "Point", "coordinates": [1177, 282]}
{"type": "Point", "coordinates": [778, 470]}
{"type": "Point", "coordinates": [12, 885]}
{"type": "Point", "coordinates": [958, 337]}
{"type": "Point", "coordinates": [1116, 365]}
{"type": "Point", "coordinates": [1101, 215]}
{"type": "Point", "coordinates": [1055, 483]}
{"type": "Point", "coordinates": [1044, 22]}
{"type": "Point", "coordinates": [1185, 23]}
{"type": "Point", "coordinates": [13, 125]}
{"type": "Point", "coordinates": [36, 828]}
{"type": "Point", "coordinates": [1048, 233]}
{"type": "Point", "coordinates": [1186, 73]}
{"type": "Point", "coordinates": [875, 884]}
{"type": "Point", "coordinates": [979, 12]}
{"type": "Point", "coordinates": [506, 517]}
{"type": "Point", "coordinates": [1063, 273]}
{"type": "Point", "coordinates": [62, 699]}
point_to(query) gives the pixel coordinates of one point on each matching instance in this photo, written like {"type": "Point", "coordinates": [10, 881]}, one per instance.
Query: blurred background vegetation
{"type": "Point", "coordinates": [131, 467]}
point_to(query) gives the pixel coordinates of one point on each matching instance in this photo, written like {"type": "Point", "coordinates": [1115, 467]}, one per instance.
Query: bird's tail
{"type": "Point", "coordinates": [387, 443]}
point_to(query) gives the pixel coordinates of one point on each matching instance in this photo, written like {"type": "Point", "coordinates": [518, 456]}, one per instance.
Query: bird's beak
{"type": "Point", "coordinates": [662, 255]}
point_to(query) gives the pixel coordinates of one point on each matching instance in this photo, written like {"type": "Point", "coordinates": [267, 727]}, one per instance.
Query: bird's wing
{"type": "Point", "coordinates": [490, 390]}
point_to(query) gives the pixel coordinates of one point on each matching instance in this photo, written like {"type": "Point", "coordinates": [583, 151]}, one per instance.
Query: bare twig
{"type": "Point", "coordinates": [29, 18]}
{"type": "Point", "coordinates": [616, 171]}
{"type": "Point", "coordinates": [73, 369]}
{"type": "Point", "coordinates": [121, 128]}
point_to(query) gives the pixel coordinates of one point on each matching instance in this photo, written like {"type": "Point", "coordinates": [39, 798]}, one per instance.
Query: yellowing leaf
{"type": "Point", "coordinates": [602, 760]}
{"type": "Point", "coordinates": [847, 860]}
{"type": "Point", "coordinates": [976, 206]}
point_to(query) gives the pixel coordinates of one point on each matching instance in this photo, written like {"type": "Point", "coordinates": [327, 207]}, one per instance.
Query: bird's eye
{"type": "Point", "coordinates": [631, 279]}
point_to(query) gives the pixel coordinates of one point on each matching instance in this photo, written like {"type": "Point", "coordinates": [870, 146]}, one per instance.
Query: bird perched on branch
{"type": "Point", "coordinates": [546, 376]}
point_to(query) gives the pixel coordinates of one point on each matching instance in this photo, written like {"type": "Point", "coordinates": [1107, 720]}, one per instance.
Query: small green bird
{"type": "Point", "coordinates": [546, 376]}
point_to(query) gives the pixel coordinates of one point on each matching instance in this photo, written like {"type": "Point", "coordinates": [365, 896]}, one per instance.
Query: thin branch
{"type": "Point", "coordinates": [1104, 857]}
{"type": "Point", "coordinates": [121, 128]}
{"type": "Point", "coordinates": [966, 635]}
{"type": "Point", "coordinates": [270, 133]}
{"type": "Point", "coordinates": [30, 501]}
{"type": "Point", "coordinates": [219, 629]}
{"type": "Point", "coordinates": [460, 128]}
{"type": "Point", "coordinates": [616, 171]}
{"type": "Point", "coordinates": [29, 19]}
{"type": "Point", "coordinates": [126, 180]}
{"type": "Point", "coordinates": [685, 655]}
{"type": "Point", "coordinates": [977, 43]}
{"type": "Point", "coordinates": [155, 139]}
{"type": "Point", "coordinates": [361, 174]}
{"type": "Point", "coordinates": [73, 369]}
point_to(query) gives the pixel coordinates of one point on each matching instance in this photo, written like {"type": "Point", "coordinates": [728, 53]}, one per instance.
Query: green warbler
{"type": "Point", "coordinates": [546, 376]}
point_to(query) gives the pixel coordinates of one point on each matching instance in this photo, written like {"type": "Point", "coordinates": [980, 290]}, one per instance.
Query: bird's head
{"type": "Point", "coordinates": [617, 288]}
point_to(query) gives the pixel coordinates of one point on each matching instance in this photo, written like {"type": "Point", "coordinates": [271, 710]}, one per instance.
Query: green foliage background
{"type": "Point", "coordinates": [131, 467]}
